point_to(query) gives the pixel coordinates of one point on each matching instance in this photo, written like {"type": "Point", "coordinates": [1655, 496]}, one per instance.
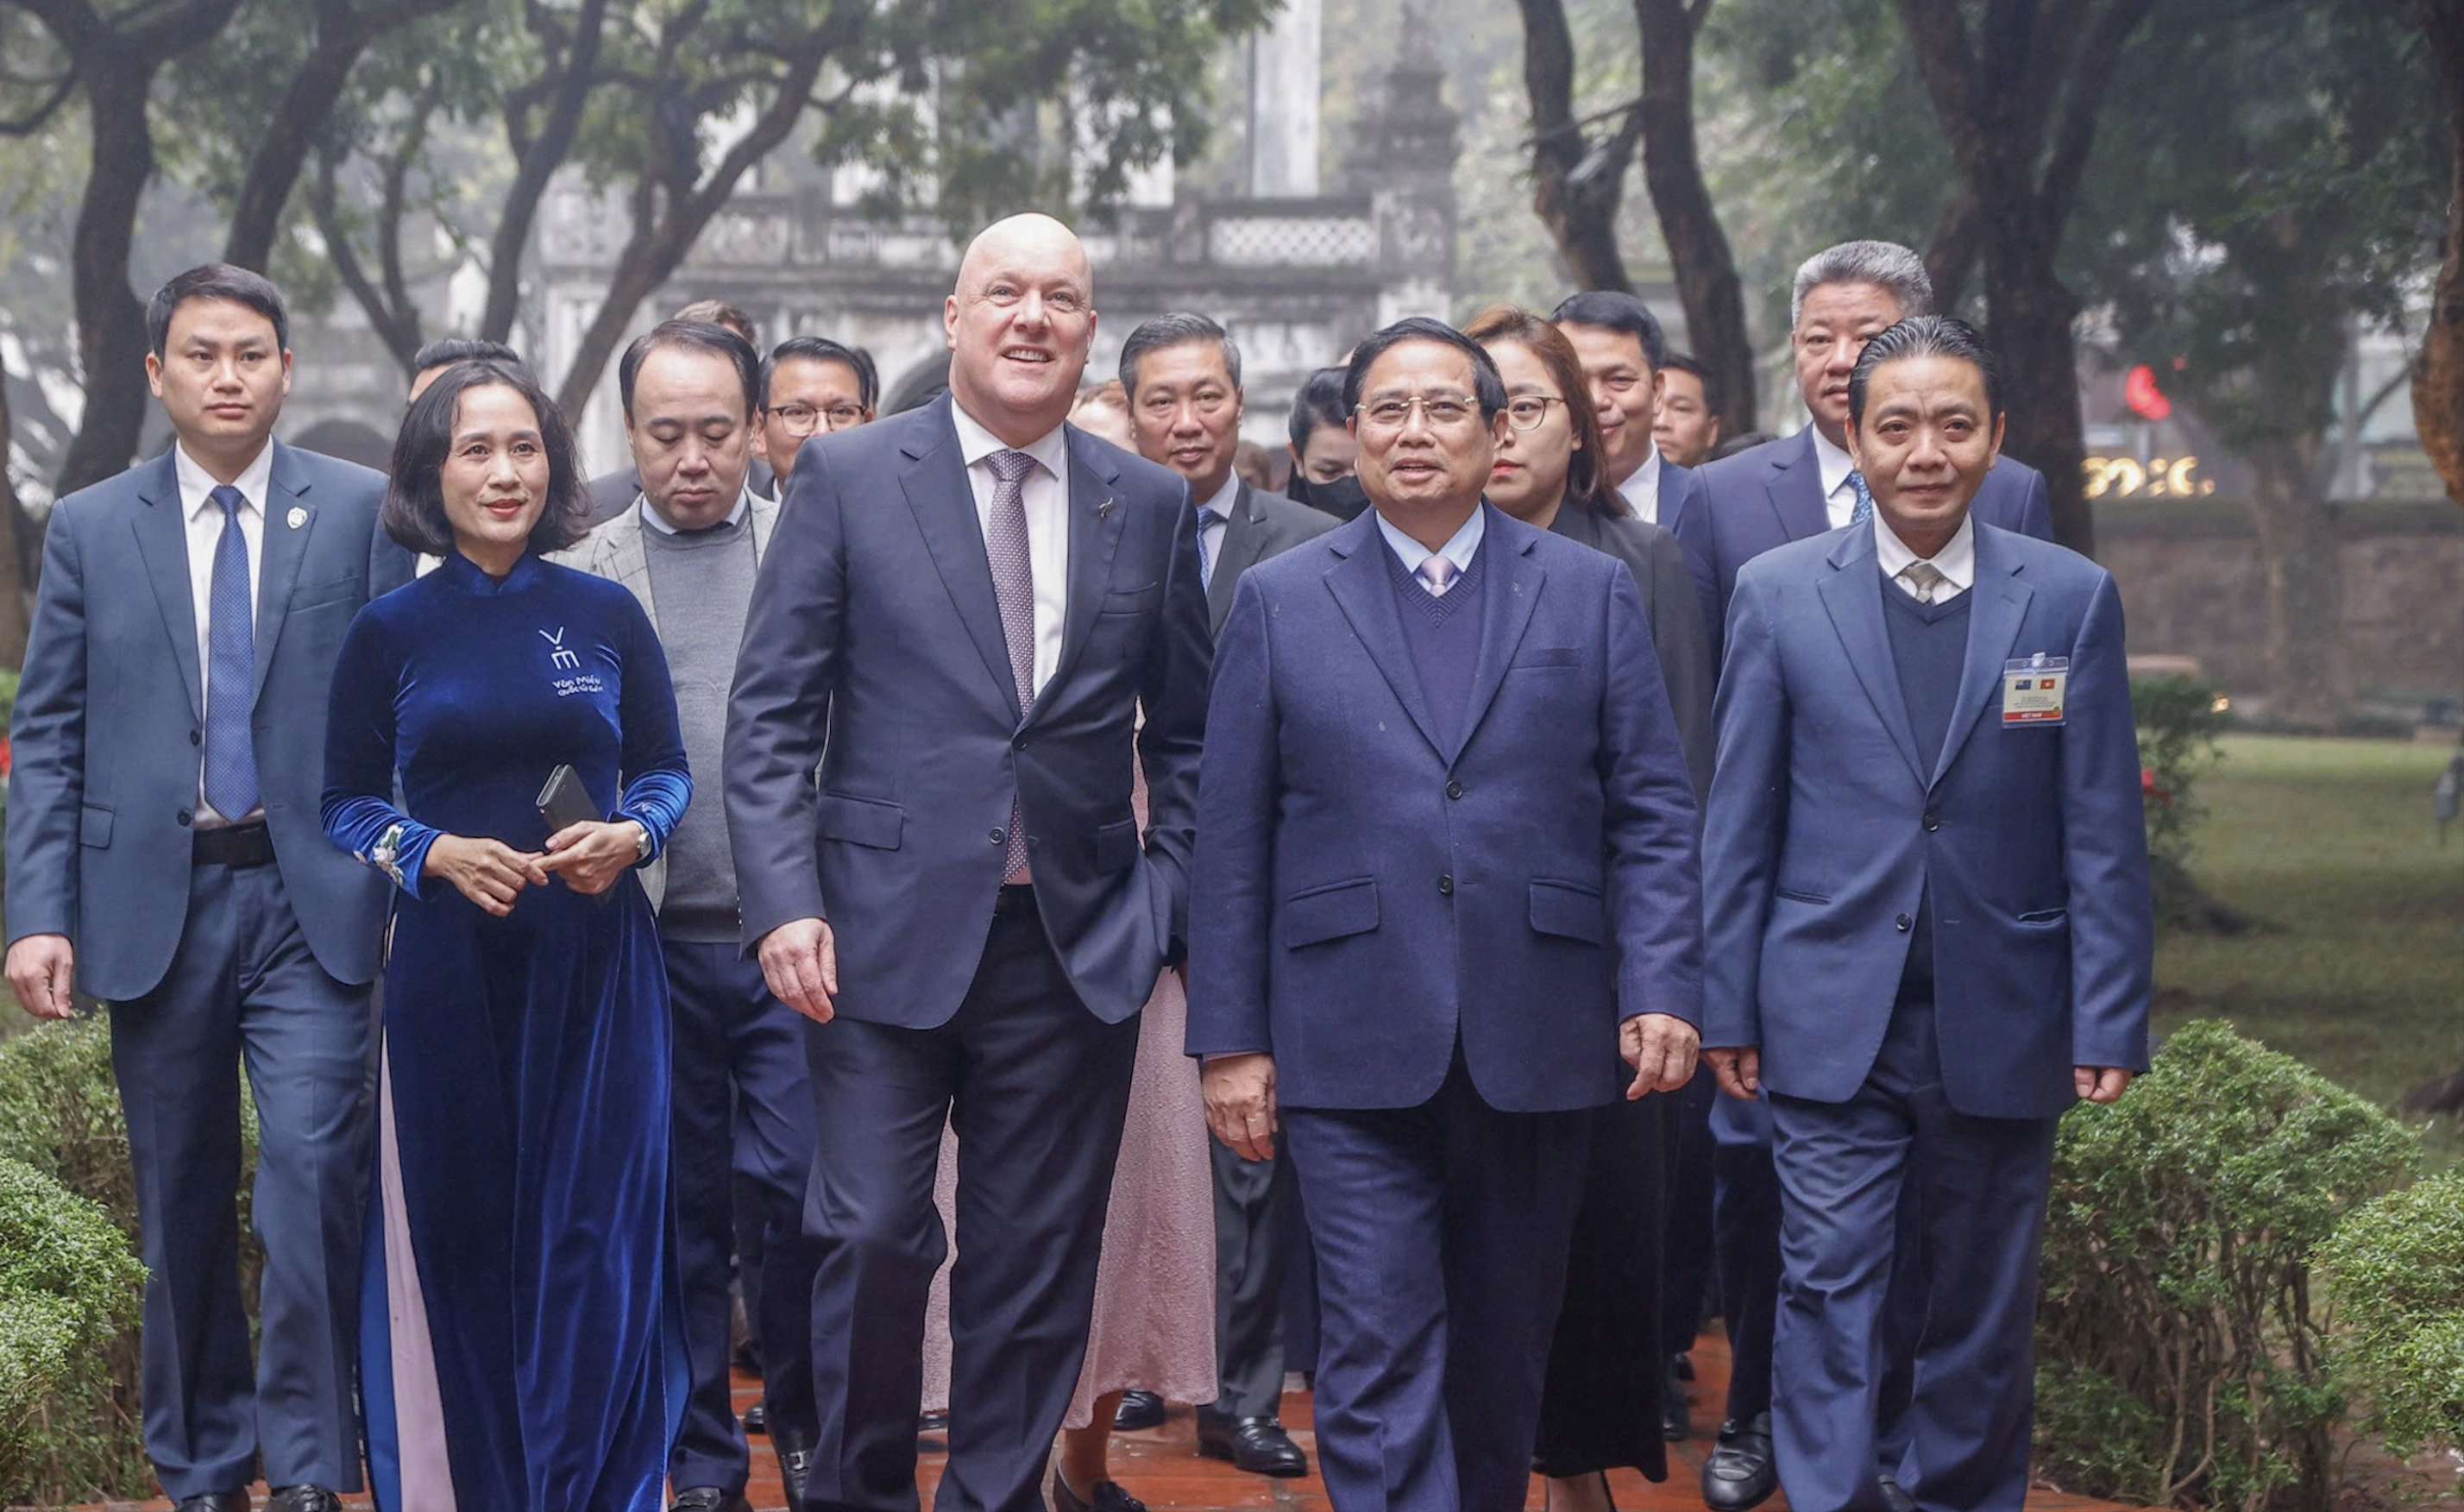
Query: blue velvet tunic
{"type": "Point", "coordinates": [527, 1057]}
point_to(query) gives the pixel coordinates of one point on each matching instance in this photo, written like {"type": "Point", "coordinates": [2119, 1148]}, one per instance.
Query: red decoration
{"type": "Point", "coordinates": [2139, 390]}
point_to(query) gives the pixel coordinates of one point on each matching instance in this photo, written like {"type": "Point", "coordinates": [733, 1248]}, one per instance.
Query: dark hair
{"type": "Point", "coordinates": [1317, 402]}
{"type": "Point", "coordinates": [699, 336]}
{"type": "Point", "coordinates": [1688, 362]}
{"type": "Point", "coordinates": [1613, 311]}
{"type": "Point", "coordinates": [718, 312]}
{"type": "Point", "coordinates": [215, 280]}
{"type": "Point", "coordinates": [1487, 385]}
{"type": "Point", "coordinates": [823, 350]}
{"type": "Point", "coordinates": [414, 501]}
{"type": "Point", "coordinates": [1743, 441]}
{"type": "Point", "coordinates": [1587, 486]}
{"type": "Point", "coordinates": [1924, 336]}
{"type": "Point", "coordinates": [447, 351]}
{"type": "Point", "coordinates": [1172, 330]}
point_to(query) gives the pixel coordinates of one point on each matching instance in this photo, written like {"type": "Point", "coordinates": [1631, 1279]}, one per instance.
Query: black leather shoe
{"type": "Point", "coordinates": [1258, 1445]}
{"type": "Point", "coordinates": [1896, 1497]}
{"type": "Point", "coordinates": [756, 1418]}
{"type": "Point", "coordinates": [795, 1468]}
{"type": "Point", "coordinates": [300, 1499]}
{"type": "Point", "coordinates": [1140, 1410]}
{"type": "Point", "coordinates": [1676, 1423]}
{"type": "Point", "coordinates": [709, 1499]}
{"type": "Point", "coordinates": [1107, 1496]}
{"type": "Point", "coordinates": [216, 1502]}
{"type": "Point", "coordinates": [1741, 1472]}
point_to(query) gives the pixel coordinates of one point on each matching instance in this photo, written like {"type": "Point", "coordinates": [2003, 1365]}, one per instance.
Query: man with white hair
{"type": "Point", "coordinates": [974, 600]}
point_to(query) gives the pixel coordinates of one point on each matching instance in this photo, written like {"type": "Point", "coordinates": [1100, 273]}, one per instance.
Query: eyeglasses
{"type": "Point", "coordinates": [1442, 411]}
{"type": "Point", "coordinates": [1528, 411]}
{"type": "Point", "coordinates": [800, 419]}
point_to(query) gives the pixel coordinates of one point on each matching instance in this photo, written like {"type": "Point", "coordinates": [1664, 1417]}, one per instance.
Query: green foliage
{"type": "Point", "coordinates": [2179, 1359]}
{"type": "Point", "coordinates": [2179, 719]}
{"type": "Point", "coordinates": [69, 1289]}
{"type": "Point", "coordinates": [2396, 1271]}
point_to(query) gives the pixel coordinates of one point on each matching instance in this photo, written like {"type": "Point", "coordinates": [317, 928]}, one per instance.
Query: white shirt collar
{"type": "Point", "coordinates": [1956, 560]}
{"type": "Point", "coordinates": [1225, 496]}
{"type": "Point", "coordinates": [660, 523]}
{"type": "Point", "coordinates": [1050, 449]}
{"type": "Point", "coordinates": [1834, 463]}
{"type": "Point", "coordinates": [1458, 550]}
{"type": "Point", "coordinates": [1643, 483]}
{"type": "Point", "coordinates": [197, 485]}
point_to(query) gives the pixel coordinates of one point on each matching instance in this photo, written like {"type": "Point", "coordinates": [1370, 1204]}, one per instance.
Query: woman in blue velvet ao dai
{"type": "Point", "coordinates": [521, 1339]}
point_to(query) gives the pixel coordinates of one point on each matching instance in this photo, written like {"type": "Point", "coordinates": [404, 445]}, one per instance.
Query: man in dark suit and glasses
{"type": "Point", "coordinates": [1182, 376]}
{"type": "Point", "coordinates": [982, 600]}
{"type": "Point", "coordinates": [165, 851]}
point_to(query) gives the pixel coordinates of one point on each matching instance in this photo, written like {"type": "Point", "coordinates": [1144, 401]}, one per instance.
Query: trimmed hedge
{"type": "Point", "coordinates": [2396, 1271]}
{"type": "Point", "coordinates": [68, 1289]}
{"type": "Point", "coordinates": [2179, 1358]}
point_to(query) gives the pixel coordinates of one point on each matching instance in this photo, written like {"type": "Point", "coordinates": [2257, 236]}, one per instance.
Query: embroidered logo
{"type": "Point", "coordinates": [559, 655]}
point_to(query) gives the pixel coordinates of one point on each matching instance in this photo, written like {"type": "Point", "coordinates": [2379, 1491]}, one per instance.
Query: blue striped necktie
{"type": "Point", "coordinates": [230, 671]}
{"type": "Point", "coordinates": [1208, 518]}
{"type": "Point", "coordinates": [1864, 512]}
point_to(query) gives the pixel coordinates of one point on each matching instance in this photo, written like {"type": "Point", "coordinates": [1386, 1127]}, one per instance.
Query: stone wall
{"type": "Point", "coordinates": [2190, 585]}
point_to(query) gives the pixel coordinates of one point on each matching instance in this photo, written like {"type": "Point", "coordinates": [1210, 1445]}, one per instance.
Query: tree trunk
{"type": "Point", "coordinates": [1575, 187]}
{"type": "Point", "coordinates": [2031, 330]}
{"type": "Point", "coordinates": [2438, 370]}
{"type": "Point", "coordinates": [16, 529]}
{"type": "Point", "coordinates": [2308, 679]}
{"type": "Point", "coordinates": [1697, 248]}
{"type": "Point", "coordinates": [538, 156]}
{"type": "Point", "coordinates": [111, 323]}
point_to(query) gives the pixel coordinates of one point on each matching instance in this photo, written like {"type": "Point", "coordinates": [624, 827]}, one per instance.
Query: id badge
{"type": "Point", "coordinates": [2033, 690]}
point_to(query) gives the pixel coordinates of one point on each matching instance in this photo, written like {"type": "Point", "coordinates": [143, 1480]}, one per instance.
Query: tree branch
{"type": "Point", "coordinates": [2098, 56]}
{"type": "Point", "coordinates": [539, 157]}
{"type": "Point", "coordinates": [28, 124]}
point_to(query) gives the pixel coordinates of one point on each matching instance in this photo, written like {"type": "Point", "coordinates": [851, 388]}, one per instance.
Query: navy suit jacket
{"type": "Point", "coordinates": [1773, 495]}
{"type": "Point", "coordinates": [874, 619]}
{"type": "Point", "coordinates": [1827, 825]}
{"type": "Point", "coordinates": [109, 718]}
{"type": "Point", "coordinates": [1365, 894]}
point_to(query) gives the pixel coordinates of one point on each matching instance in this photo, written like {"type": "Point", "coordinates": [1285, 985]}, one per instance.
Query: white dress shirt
{"type": "Point", "coordinates": [1640, 489]}
{"type": "Point", "coordinates": [1834, 466]}
{"type": "Point", "coordinates": [205, 520]}
{"type": "Point", "coordinates": [1046, 493]}
{"type": "Point", "coordinates": [1211, 537]}
{"type": "Point", "coordinates": [1458, 550]}
{"type": "Point", "coordinates": [1956, 560]}
{"type": "Point", "coordinates": [658, 521]}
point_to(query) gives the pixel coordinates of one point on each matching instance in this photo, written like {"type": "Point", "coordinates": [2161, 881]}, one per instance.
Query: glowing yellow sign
{"type": "Point", "coordinates": [2157, 477]}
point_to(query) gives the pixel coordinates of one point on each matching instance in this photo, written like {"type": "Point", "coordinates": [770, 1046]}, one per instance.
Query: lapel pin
{"type": "Point", "coordinates": [297, 516]}
{"type": "Point", "coordinates": [1103, 510]}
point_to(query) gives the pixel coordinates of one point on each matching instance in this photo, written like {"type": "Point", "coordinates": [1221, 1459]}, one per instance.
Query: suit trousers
{"type": "Point", "coordinates": [1253, 1207]}
{"type": "Point", "coordinates": [1979, 1223]}
{"type": "Point", "coordinates": [1036, 1088]}
{"type": "Point", "coordinates": [244, 987]}
{"type": "Point", "coordinates": [738, 1057]}
{"type": "Point", "coordinates": [1691, 1252]}
{"type": "Point", "coordinates": [1601, 1406]}
{"type": "Point", "coordinates": [1440, 1232]}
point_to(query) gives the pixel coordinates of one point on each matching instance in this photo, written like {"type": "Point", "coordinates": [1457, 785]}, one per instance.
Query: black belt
{"type": "Point", "coordinates": [1014, 898]}
{"type": "Point", "coordinates": [237, 845]}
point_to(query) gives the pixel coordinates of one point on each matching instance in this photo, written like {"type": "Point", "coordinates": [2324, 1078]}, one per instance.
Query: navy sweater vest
{"type": "Point", "coordinates": [1445, 637]}
{"type": "Point", "coordinates": [1928, 648]}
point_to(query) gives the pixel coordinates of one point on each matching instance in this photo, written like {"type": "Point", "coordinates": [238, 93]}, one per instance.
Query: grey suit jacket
{"type": "Point", "coordinates": [1262, 525]}
{"type": "Point", "coordinates": [102, 800]}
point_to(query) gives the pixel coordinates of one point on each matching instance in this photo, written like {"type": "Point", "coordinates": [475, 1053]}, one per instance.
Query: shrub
{"type": "Point", "coordinates": [2179, 719]}
{"type": "Point", "coordinates": [2396, 1269]}
{"type": "Point", "coordinates": [68, 1288]}
{"type": "Point", "coordinates": [2179, 1359]}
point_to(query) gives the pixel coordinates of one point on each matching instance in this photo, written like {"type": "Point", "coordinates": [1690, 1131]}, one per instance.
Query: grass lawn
{"type": "Point", "coordinates": [2358, 968]}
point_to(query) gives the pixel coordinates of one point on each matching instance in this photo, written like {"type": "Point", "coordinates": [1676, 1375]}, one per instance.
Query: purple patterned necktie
{"type": "Point", "coordinates": [1439, 574]}
{"type": "Point", "coordinates": [1014, 588]}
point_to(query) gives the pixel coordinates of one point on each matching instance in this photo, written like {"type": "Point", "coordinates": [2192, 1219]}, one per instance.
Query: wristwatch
{"type": "Point", "coordinates": [641, 841]}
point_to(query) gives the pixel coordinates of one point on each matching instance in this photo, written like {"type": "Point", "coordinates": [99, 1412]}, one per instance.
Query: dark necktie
{"type": "Point", "coordinates": [1014, 588]}
{"type": "Point", "coordinates": [1208, 519]}
{"type": "Point", "coordinates": [1862, 513]}
{"type": "Point", "coordinates": [230, 671]}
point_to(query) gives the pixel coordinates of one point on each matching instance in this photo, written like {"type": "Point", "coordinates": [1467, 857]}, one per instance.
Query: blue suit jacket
{"type": "Point", "coordinates": [1773, 495]}
{"type": "Point", "coordinates": [1826, 825]}
{"type": "Point", "coordinates": [1365, 894]}
{"type": "Point", "coordinates": [109, 716]}
{"type": "Point", "coordinates": [874, 621]}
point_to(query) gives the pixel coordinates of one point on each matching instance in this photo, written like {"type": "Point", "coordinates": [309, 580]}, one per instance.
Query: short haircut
{"type": "Point", "coordinates": [1487, 385]}
{"type": "Point", "coordinates": [1743, 441]}
{"type": "Point", "coordinates": [1688, 362]}
{"type": "Point", "coordinates": [215, 280]}
{"type": "Point", "coordinates": [823, 350]}
{"type": "Point", "coordinates": [1316, 404]}
{"type": "Point", "coordinates": [1173, 330]}
{"type": "Point", "coordinates": [718, 312]}
{"type": "Point", "coordinates": [447, 351]}
{"type": "Point", "coordinates": [697, 336]}
{"type": "Point", "coordinates": [414, 502]}
{"type": "Point", "coordinates": [1109, 392]}
{"type": "Point", "coordinates": [1587, 486]}
{"type": "Point", "coordinates": [1886, 264]}
{"type": "Point", "coordinates": [1613, 311]}
{"type": "Point", "coordinates": [1924, 336]}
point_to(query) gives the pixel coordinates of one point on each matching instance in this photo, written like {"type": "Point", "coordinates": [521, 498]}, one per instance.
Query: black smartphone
{"type": "Point", "coordinates": [564, 801]}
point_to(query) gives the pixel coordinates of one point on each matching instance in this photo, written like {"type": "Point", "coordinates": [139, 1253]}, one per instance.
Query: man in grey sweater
{"type": "Point", "coordinates": [687, 548]}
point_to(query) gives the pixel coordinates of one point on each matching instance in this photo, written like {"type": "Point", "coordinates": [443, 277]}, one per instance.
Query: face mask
{"type": "Point", "coordinates": [1343, 499]}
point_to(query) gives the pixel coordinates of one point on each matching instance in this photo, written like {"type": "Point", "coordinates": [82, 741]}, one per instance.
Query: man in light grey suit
{"type": "Point", "coordinates": [165, 854]}
{"type": "Point", "coordinates": [1182, 376]}
{"type": "Point", "coordinates": [689, 548]}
